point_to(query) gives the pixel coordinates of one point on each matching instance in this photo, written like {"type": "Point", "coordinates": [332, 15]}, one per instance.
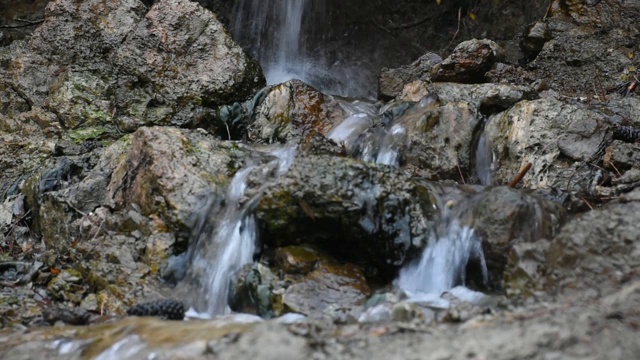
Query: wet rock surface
{"type": "Point", "coordinates": [101, 212]}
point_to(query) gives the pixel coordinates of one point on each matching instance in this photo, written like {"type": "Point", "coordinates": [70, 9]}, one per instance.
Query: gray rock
{"type": "Point", "coordinates": [503, 217]}
{"type": "Point", "coordinates": [597, 251]}
{"type": "Point", "coordinates": [367, 214]}
{"type": "Point", "coordinates": [392, 81]}
{"type": "Point", "coordinates": [330, 291]}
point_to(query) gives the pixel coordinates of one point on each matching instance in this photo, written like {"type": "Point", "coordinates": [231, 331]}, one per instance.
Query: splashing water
{"type": "Point", "coordinates": [442, 265]}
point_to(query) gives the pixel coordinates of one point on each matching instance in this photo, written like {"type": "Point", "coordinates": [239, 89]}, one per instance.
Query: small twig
{"type": "Point", "coordinates": [457, 30]}
{"type": "Point", "coordinates": [84, 214]}
{"type": "Point", "coordinates": [616, 169]}
{"type": "Point", "coordinates": [93, 238]}
{"type": "Point", "coordinates": [15, 223]}
{"type": "Point", "coordinates": [412, 24]}
{"type": "Point", "coordinates": [460, 172]}
{"type": "Point", "coordinates": [520, 175]}
{"type": "Point", "coordinates": [587, 203]}
{"type": "Point", "coordinates": [34, 22]}
{"type": "Point", "coordinates": [228, 131]}
{"type": "Point", "coordinates": [28, 23]}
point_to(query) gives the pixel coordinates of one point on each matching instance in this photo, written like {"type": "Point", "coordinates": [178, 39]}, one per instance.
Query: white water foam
{"type": "Point", "coordinates": [442, 265]}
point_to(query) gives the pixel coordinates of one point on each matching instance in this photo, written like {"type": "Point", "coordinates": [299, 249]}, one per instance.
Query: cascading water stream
{"type": "Point", "coordinates": [484, 160]}
{"type": "Point", "coordinates": [232, 244]}
{"type": "Point", "coordinates": [235, 243]}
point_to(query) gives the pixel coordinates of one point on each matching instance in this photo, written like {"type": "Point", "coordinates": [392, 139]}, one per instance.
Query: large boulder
{"type": "Point", "coordinates": [379, 218]}
{"type": "Point", "coordinates": [103, 69]}
{"type": "Point", "coordinates": [162, 177]}
{"type": "Point", "coordinates": [114, 216]}
{"type": "Point", "coordinates": [555, 137]}
{"type": "Point", "coordinates": [363, 213]}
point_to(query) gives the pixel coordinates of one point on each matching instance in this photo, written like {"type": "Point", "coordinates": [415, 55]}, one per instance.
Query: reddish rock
{"type": "Point", "coordinates": [468, 63]}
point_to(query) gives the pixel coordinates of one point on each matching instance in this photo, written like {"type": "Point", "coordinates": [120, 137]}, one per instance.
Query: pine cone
{"type": "Point", "coordinates": [165, 309]}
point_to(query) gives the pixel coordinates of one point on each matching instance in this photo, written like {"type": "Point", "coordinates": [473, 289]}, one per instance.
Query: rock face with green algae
{"type": "Point", "coordinates": [111, 67]}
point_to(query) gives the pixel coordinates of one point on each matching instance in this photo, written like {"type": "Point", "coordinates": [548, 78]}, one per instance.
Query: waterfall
{"type": "Point", "coordinates": [273, 31]}
{"type": "Point", "coordinates": [484, 160]}
{"type": "Point", "coordinates": [289, 39]}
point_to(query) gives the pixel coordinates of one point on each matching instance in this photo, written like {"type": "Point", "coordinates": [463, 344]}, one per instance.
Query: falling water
{"type": "Point", "coordinates": [287, 37]}
{"type": "Point", "coordinates": [443, 264]}
{"type": "Point", "coordinates": [274, 30]}
{"type": "Point", "coordinates": [391, 146]}
{"type": "Point", "coordinates": [360, 117]}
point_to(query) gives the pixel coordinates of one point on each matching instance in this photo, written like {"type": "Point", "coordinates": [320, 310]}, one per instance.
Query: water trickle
{"type": "Point", "coordinates": [484, 160]}
{"type": "Point", "coordinates": [442, 265]}
{"type": "Point", "coordinates": [350, 129]}
{"type": "Point", "coordinates": [234, 244]}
